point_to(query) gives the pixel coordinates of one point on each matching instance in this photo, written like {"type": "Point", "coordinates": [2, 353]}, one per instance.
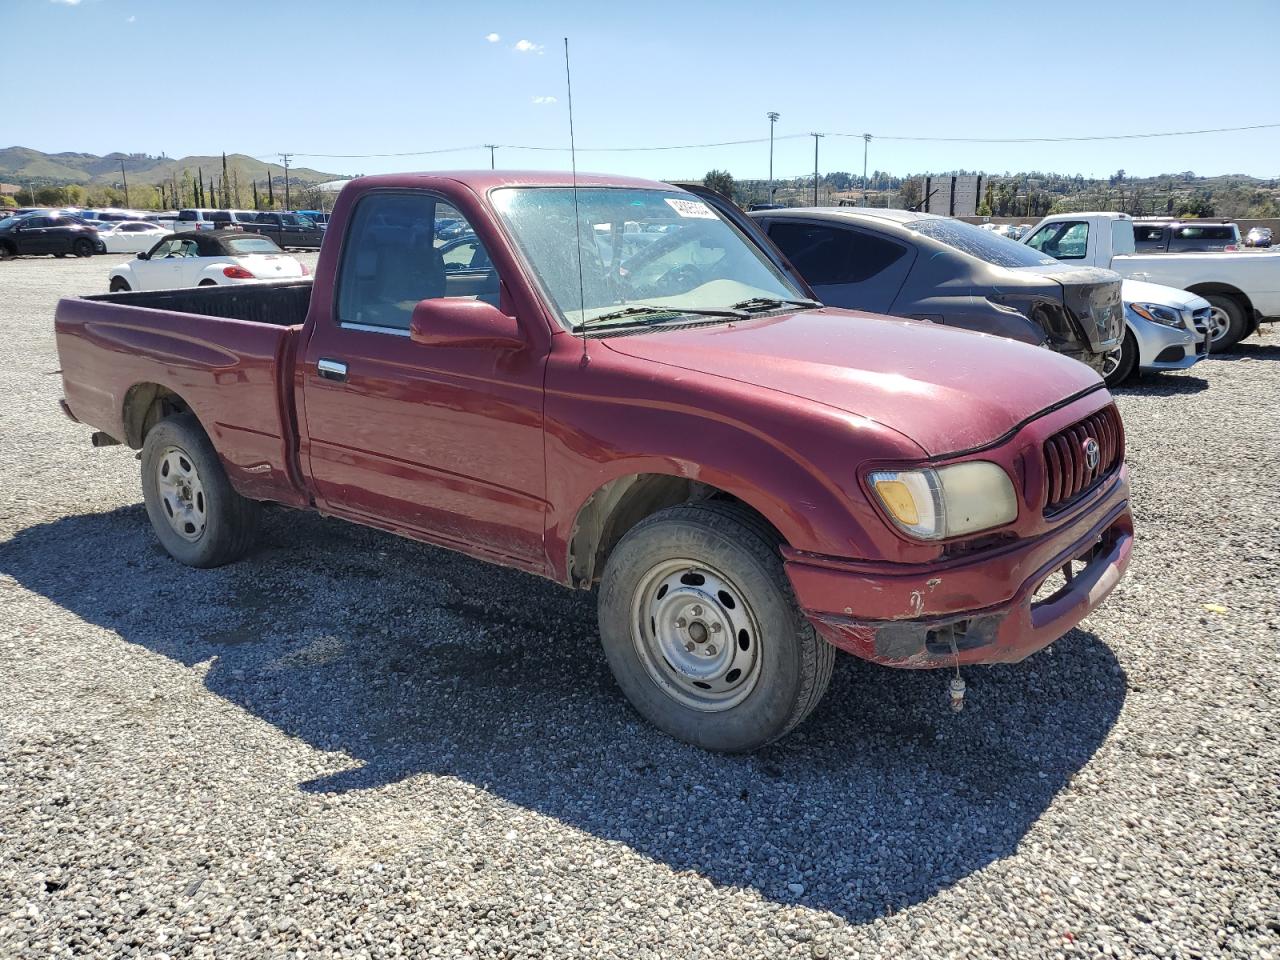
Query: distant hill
{"type": "Point", "coordinates": [25, 166]}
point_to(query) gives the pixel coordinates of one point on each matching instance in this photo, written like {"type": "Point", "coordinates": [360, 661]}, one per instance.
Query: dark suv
{"type": "Point", "coordinates": [58, 234]}
{"type": "Point", "coordinates": [1180, 236]}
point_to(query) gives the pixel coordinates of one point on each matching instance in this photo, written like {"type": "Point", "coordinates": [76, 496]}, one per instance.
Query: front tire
{"type": "Point", "coordinates": [82, 248]}
{"type": "Point", "coordinates": [702, 631]}
{"type": "Point", "coordinates": [1120, 365]}
{"type": "Point", "coordinates": [119, 285]}
{"type": "Point", "coordinates": [197, 515]}
{"type": "Point", "coordinates": [1227, 323]}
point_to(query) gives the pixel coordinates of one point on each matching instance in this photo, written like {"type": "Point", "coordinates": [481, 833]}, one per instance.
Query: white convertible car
{"type": "Point", "coordinates": [129, 236]}
{"type": "Point", "coordinates": [204, 259]}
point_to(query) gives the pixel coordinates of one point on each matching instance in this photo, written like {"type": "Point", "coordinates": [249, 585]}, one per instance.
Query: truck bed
{"type": "Point", "coordinates": [280, 303]}
{"type": "Point", "coordinates": [226, 353]}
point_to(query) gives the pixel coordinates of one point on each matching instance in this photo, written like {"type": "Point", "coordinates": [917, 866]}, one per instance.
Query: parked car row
{"type": "Point", "coordinates": [752, 479]}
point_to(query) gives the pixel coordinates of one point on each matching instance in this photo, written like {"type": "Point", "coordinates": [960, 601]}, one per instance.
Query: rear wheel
{"type": "Point", "coordinates": [197, 515]}
{"type": "Point", "coordinates": [207, 283]}
{"type": "Point", "coordinates": [702, 631]}
{"type": "Point", "coordinates": [82, 248]}
{"type": "Point", "coordinates": [1119, 365]}
{"type": "Point", "coordinates": [7, 251]}
{"type": "Point", "coordinates": [1227, 322]}
{"type": "Point", "coordinates": [119, 285]}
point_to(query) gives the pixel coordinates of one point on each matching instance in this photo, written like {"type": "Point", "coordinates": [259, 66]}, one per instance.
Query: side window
{"type": "Point", "coordinates": [1148, 234]}
{"type": "Point", "coordinates": [826, 255]}
{"type": "Point", "coordinates": [186, 215]}
{"type": "Point", "coordinates": [163, 249]}
{"type": "Point", "coordinates": [1062, 241]}
{"type": "Point", "coordinates": [219, 216]}
{"type": "Point", "coordinates": [392, 259]}
{"type": "Point", "coordinates": [187, 248]}
{"type": "Point", "coordinates": [36, 222]}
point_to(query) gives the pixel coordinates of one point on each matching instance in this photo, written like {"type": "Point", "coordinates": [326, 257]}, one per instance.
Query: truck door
{"type": "Point", "coordinates": [440, 442]}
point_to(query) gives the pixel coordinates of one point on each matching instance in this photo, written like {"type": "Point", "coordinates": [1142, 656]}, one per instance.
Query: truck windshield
{"type": "Point", "coordinates": [983, 244]}
{"type": "Point", "coordinates": [640, 248]}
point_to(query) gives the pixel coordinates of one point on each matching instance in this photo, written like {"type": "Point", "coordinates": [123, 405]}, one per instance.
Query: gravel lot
{"type": "Point", "coordinates": [354, 745]}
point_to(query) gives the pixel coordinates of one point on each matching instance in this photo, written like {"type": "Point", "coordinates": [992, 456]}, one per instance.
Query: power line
{"type": "Point", "coordinates": [789, 136]}
{"type": "Point", "coordinates": [1081, 139]}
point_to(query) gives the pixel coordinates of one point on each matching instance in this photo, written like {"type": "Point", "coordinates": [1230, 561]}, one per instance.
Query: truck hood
{"type": "Point", "coordinates": [947, 390]}
{"type": "Point", "coordinates": [1139, 291]}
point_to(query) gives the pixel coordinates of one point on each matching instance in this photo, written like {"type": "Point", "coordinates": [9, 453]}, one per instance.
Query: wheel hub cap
{"type": "Point", "coordinates": [181, 493]}
{"type": "Point", "coordinates": [696, 635]}
{"type": "Point", "coordinates": [1219, 324]}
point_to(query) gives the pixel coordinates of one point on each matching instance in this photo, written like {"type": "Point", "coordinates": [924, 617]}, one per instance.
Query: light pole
{"type": "Point", "coordinates": [492, 147]}
{"type": "Point", "coordinates": [773, 116]}
{"type": "Point", "coordinates": [816, 138]}
{"type": "Point", "coordinates": [866, 142]}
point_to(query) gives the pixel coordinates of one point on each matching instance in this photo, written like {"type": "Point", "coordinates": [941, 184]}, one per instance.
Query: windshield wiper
{"type": "Point", "coordinates": [771, 303]}
{"type": "Point", "coordinates": [646, 309]}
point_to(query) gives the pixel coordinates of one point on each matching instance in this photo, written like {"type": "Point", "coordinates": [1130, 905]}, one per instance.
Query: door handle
{"type": "Point", "coordinates": [332, 369]}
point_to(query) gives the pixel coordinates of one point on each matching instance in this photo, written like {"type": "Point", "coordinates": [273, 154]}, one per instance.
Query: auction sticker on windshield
{"type": "Point", "coordinates": [691, 208]}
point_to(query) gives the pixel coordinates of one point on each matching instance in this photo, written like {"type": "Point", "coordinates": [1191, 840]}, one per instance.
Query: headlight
{"type": "Point", "coordinates": [1165, 316]}
{"type": "Point", "coordinates": [948, 502]}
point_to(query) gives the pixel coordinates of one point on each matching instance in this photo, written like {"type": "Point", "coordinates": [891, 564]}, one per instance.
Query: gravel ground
{"type": "Point", "coordinates": [354, 745]}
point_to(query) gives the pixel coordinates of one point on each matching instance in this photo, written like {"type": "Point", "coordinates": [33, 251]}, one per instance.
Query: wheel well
{"type": "Point", "coordinates": [1200, 289]}
{"type": "Point", "coordinates": [622, 503]}
{"type": "Point", "coordinates": [145, 405]}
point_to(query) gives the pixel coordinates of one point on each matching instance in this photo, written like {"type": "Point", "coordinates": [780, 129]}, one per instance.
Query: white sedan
{"type": "Point", "coordinates": [129, 236]}
{"type": "Point", "coordinates": [206, 258]}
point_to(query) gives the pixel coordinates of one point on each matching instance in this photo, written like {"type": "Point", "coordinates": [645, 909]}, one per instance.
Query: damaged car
{"type": "Point", "coordinates": [927, 267]}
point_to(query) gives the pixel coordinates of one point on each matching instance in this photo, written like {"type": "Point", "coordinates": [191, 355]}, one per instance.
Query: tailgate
{"type": "Point", "coordinates": [230, 373]}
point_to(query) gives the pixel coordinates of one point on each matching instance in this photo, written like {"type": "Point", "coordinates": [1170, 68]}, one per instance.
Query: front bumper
{"type": "Point", "coordinates": [1167, 348]}
{"type": "Point", "coordinates": [969, 611]}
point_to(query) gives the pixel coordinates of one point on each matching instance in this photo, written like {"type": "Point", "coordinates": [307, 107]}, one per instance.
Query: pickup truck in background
{"type": "Point", "coordinates": [751, 479]}
{"type": "Point", "coordinates": [1242, 288]}
{"type": "Point", "coordinates": [287, 230]}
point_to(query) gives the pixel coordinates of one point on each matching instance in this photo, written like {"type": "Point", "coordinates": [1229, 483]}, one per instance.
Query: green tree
{"type": "Point", "coordinates": [909, 196]}
{"type": "Point", "coordinates": [721, 181]}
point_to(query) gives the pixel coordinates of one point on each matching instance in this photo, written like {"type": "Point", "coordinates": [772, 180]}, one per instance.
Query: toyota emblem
{"type": "Point", "coordinates": [1092, 453]}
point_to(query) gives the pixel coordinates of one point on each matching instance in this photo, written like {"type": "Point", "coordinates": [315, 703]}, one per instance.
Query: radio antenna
{"type": "Point", "coordinates": [577, 223]}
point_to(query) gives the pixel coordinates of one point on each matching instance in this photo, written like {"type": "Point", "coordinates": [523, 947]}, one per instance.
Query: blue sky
{"type": "Point", "coordinates": [386, 76]}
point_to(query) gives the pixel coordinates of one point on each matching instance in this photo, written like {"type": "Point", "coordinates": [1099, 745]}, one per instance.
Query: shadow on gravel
{"type": "Point", "coordinates": [1167, 384]}
{"type": "Point", "coordinates": [1252, 349]}
{"type": "Point", "coordinates": [415, 661]}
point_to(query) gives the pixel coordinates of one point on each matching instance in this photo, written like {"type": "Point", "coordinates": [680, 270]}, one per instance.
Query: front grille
{"type": "Point", "coordinates": [1068, 475]}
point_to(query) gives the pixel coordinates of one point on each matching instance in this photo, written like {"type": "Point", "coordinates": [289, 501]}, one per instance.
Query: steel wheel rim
{"type": "Point", "coordinates": [696, 635]}
{"type": "Point", "coordinates": [1111, 362]}
{"type": "Point", "coordinates": [182, 499]}
{"type": "Point", "coordinates": [1219, 324]}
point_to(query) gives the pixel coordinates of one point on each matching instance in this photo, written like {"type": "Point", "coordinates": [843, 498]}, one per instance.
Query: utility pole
{"type": "Point", "coordinates": [816, 138]}
{"type": "Point", "coordinates": [866, 142]}
{"type": "Point", "coordinates": [126, 183]}
{"type": "Point", "coordinates": [284, 159]}
{"type": "Point", "coordinates": [773, 116]}
{"type": "Point", "coordinates": [491, 147]}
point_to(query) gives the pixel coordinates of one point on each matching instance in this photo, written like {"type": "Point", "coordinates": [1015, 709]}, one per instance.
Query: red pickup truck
{"type": "Point", "coordinates": [622, 384]}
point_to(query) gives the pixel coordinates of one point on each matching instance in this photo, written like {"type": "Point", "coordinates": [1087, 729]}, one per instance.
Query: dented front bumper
{"type": "Point", "coordinates": [971, 610]}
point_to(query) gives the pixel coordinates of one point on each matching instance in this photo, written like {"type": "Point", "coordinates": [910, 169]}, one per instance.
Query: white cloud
{"type": "Point", "coordinates": [544, 99]}
{"type": "Point", "coordinates": [492, 37]}
{"type": "Point", "coordinates": [527, 46]}
{"type": "Point", "coordinates": [131, 20]}
{"type": "Point", "coordinates": [67, 3]}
